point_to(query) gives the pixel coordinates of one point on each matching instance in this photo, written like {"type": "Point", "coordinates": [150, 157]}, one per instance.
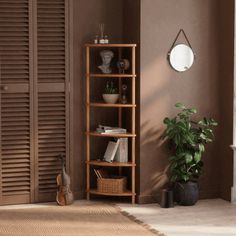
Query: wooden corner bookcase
{"type": "Point", "coordinates": [131, 164]}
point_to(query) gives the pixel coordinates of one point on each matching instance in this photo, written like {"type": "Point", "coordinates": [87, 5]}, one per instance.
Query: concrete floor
{"type": "Point", "coordinates": [207, 218]}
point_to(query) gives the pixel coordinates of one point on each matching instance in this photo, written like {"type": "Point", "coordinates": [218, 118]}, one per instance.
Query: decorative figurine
{"type": "Point", "coordinates": [123, 64]}
{"type": "Point", "coordinates": [106, 56]}
{"type": "Point", "coordinates": [124, 94]}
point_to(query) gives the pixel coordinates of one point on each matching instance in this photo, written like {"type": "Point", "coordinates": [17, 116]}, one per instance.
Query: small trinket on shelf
{"type": "Point", "coordinates": [123, 64]}
{"type": "Point", "coordinates": [96, 39]}
{"type": "Point", "coordinates": [101, 40]}
{"type": "Point", "coordinates": [101, 29]}
{"type": "Point", "coordinates": [106, 39]}
{"type": "Point", "coordinates": [124, 93]}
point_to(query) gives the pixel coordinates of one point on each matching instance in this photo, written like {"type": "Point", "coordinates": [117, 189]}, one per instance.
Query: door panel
{"type": "Point", "coordinates": [15, 147]}
{"type": "Point", "coordinates": [51, 141]}
{"type": "Point", "coordinates": [52, 94]}
{"type": "Point", "coordinates": [15, 113]}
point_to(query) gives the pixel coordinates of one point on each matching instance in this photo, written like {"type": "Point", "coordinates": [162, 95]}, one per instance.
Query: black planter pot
{"type": "Point", "coordinates": [186, 194]}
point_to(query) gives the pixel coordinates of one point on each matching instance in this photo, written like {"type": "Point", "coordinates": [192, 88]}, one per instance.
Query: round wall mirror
{"type": "Point", "coordinates": [181, 57]}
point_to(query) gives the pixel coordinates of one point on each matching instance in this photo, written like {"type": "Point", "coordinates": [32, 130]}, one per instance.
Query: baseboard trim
{"type": "Point", "coordinates": [148, 199]}
{"type": "Point", "coordinates": [233, 194]}
{"type": "Point", "coordinates": [79, 195]}
{"type": "Point", "coordinates": [213, 193]}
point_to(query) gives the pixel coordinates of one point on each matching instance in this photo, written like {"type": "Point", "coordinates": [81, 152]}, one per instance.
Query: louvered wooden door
{"type": "Point", "coordinates": [34, 97]}
{"type": "Point", "coordinates": [53, 88]}
{"type": "Point", "coordinates": [16, 149]}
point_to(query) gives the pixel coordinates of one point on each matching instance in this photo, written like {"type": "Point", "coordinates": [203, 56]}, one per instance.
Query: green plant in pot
{"type": "Point", "coordinates": [187, 138]}
{"type": "Point", "coordinates": [110, 94]}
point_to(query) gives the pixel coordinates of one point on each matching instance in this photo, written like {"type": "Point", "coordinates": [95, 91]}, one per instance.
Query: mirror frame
{"type": "Point", "coordinates": [192, 57]}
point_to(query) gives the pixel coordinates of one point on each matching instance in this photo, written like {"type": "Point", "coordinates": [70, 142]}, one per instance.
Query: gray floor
{"type": "Point", "coordinates": [207, 218]}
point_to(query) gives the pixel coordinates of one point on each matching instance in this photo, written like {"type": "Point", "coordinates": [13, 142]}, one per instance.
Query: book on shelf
{"type": "Point", "coordinates": [111, 150]}
{"type": "Point", "coordinates": [122, 151]}
{"type": "Point", "coordinates": [110, 130]}
{"type": "Point", "coordinates": [101, 173]}
{"type": "Point", "coordinates": [96, 173]}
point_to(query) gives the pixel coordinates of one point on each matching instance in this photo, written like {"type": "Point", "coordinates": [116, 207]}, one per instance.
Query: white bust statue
{"type": "Point", "coordinates": [106, 56]}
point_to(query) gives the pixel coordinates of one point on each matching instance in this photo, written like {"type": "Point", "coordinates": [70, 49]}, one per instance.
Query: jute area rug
{"type": "Point", "coordinates": [81, 218]}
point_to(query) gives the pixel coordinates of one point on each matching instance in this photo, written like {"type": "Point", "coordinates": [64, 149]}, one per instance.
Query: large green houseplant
{"type": "Point", "coordinates": [187, 138]}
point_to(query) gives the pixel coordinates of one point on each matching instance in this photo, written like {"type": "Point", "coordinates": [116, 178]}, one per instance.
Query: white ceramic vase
{"type": "Point", "coordinates": [110, 98]}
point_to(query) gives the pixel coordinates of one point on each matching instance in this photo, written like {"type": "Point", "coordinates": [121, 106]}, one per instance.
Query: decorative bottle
{"type": "Point", "coordinates": [106, 39]}
{"type": "Point", "coordinates": [96, 39]}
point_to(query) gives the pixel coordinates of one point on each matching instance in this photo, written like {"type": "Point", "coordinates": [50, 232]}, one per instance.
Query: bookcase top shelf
{"type": "Point", "coordinates": [111, 75]}
{"type": "Point", "coordinates": [112, 164]}
{"type": "Point", "coordinates": [127, 135]}
{"type": "Point", "coordinates": [113, 45]}
{"type": "Point", "coordinates": [102, 104]}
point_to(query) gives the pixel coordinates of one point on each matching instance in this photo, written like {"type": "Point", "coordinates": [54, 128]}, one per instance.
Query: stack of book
{"type": "Point", "coordinates": [117, 151]}
{"type": "Point", "coordinates": [110, 130]}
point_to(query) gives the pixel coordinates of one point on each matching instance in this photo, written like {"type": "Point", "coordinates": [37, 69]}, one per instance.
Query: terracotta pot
{"type": "Point", "coordinates": [110, 98]}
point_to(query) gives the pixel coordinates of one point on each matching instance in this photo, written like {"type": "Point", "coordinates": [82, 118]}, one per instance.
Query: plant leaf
{"type": "Point", "coordinates": [197, 157]}
{"type": "Point", "coordinates": [180, 105]}
{"type": "Point", "coordinates": [201, 147]}
{"type": "Point", "coordinates": [166, 121]}
{"type": "Point", "coordinates": [173, 166]}
{"type": "Point", "coordinates": [173, 178]}
{"type": "Point", "coordinates": [185, 177]}
{"type": "Point", "coordinates": [172, 158]}
{"type": "Point", "coordinates": [188, 158]}
{"type": "Point", "coordinates": [192, 110]}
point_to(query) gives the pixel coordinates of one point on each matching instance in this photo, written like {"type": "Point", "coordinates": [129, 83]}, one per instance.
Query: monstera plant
{"type": "Point", "coordinates": [187, 138]}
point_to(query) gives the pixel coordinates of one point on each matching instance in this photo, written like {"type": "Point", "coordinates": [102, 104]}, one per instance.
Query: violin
{"type": "Point", "coordinates": [64, 193]}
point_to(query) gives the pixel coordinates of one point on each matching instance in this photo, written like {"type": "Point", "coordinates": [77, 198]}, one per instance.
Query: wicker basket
{"type": "Point", "coordinates": [115, 184]}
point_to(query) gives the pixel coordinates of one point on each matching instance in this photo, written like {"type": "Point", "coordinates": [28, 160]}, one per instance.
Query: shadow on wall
{"type": "Point", "coordinates": [155, 152]}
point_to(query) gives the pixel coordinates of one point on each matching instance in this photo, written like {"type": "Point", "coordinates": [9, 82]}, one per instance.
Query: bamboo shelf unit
{"type": "Point", "coordinates": [131, 164]}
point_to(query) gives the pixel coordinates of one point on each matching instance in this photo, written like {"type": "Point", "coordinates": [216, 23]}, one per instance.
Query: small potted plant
{"type": "Point", "coordinates": [187, 139]}
{"type": "Point", "coordinates": [110, 94]}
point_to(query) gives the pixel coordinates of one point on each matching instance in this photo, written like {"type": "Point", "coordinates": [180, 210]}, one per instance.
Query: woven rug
{"type": "Point", "coordinates": [81, 218]}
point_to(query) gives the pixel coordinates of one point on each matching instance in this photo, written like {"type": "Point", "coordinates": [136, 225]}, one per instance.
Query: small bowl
{"type": "Point", "coordinates": [110, 98]}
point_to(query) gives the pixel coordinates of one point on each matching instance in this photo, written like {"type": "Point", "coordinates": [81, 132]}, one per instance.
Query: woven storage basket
{"type": "Point", "coordinates": [115, 184]}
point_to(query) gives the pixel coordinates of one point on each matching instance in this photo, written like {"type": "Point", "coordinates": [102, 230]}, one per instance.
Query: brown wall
{"type": "Point", "coordinates": [153, 25]}
{"type": "Point", "coordinates": [131, 34]}
{"type": "Point", "coordinates": [87, 15]}
{"type": "Point", "coordinates": [161, 87]}
{"type": "Point", "coordinates": [226, 72]}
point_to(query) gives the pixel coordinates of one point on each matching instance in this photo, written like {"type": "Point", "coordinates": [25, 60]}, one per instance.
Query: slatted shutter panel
{"type": "Point", "coordinates": [16, 167]}
{"type": "Point", "coordinates": [52, 101]}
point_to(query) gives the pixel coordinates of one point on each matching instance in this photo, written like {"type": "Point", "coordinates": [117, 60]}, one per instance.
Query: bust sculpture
{"type": "Point", "coordinates": [106, 56]}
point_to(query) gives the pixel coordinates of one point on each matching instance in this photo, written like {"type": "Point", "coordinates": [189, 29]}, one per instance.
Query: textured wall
{"type": "Point", "coordinates": [87, 15]}
{"type": "Point", "coordinates": [207, 85]}
{"type": "Point", "coordinates": [131, 34]}
{"type": "Point", "coordinates": [161, 87]}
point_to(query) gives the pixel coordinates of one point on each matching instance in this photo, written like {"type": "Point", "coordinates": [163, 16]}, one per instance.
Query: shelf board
{"type": "Point", "coordinates": [114, 45]}
{"type": "Point", "coordinates": [111, 75]}
{"type": "Point", "coordinates": [113, 164]}
{"type": "Point", "coordinates": [126, 193]}
{"type": "Point", "coordinates": [101, 104]}
{"type": "Point", "coordinates": [111, 135]}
